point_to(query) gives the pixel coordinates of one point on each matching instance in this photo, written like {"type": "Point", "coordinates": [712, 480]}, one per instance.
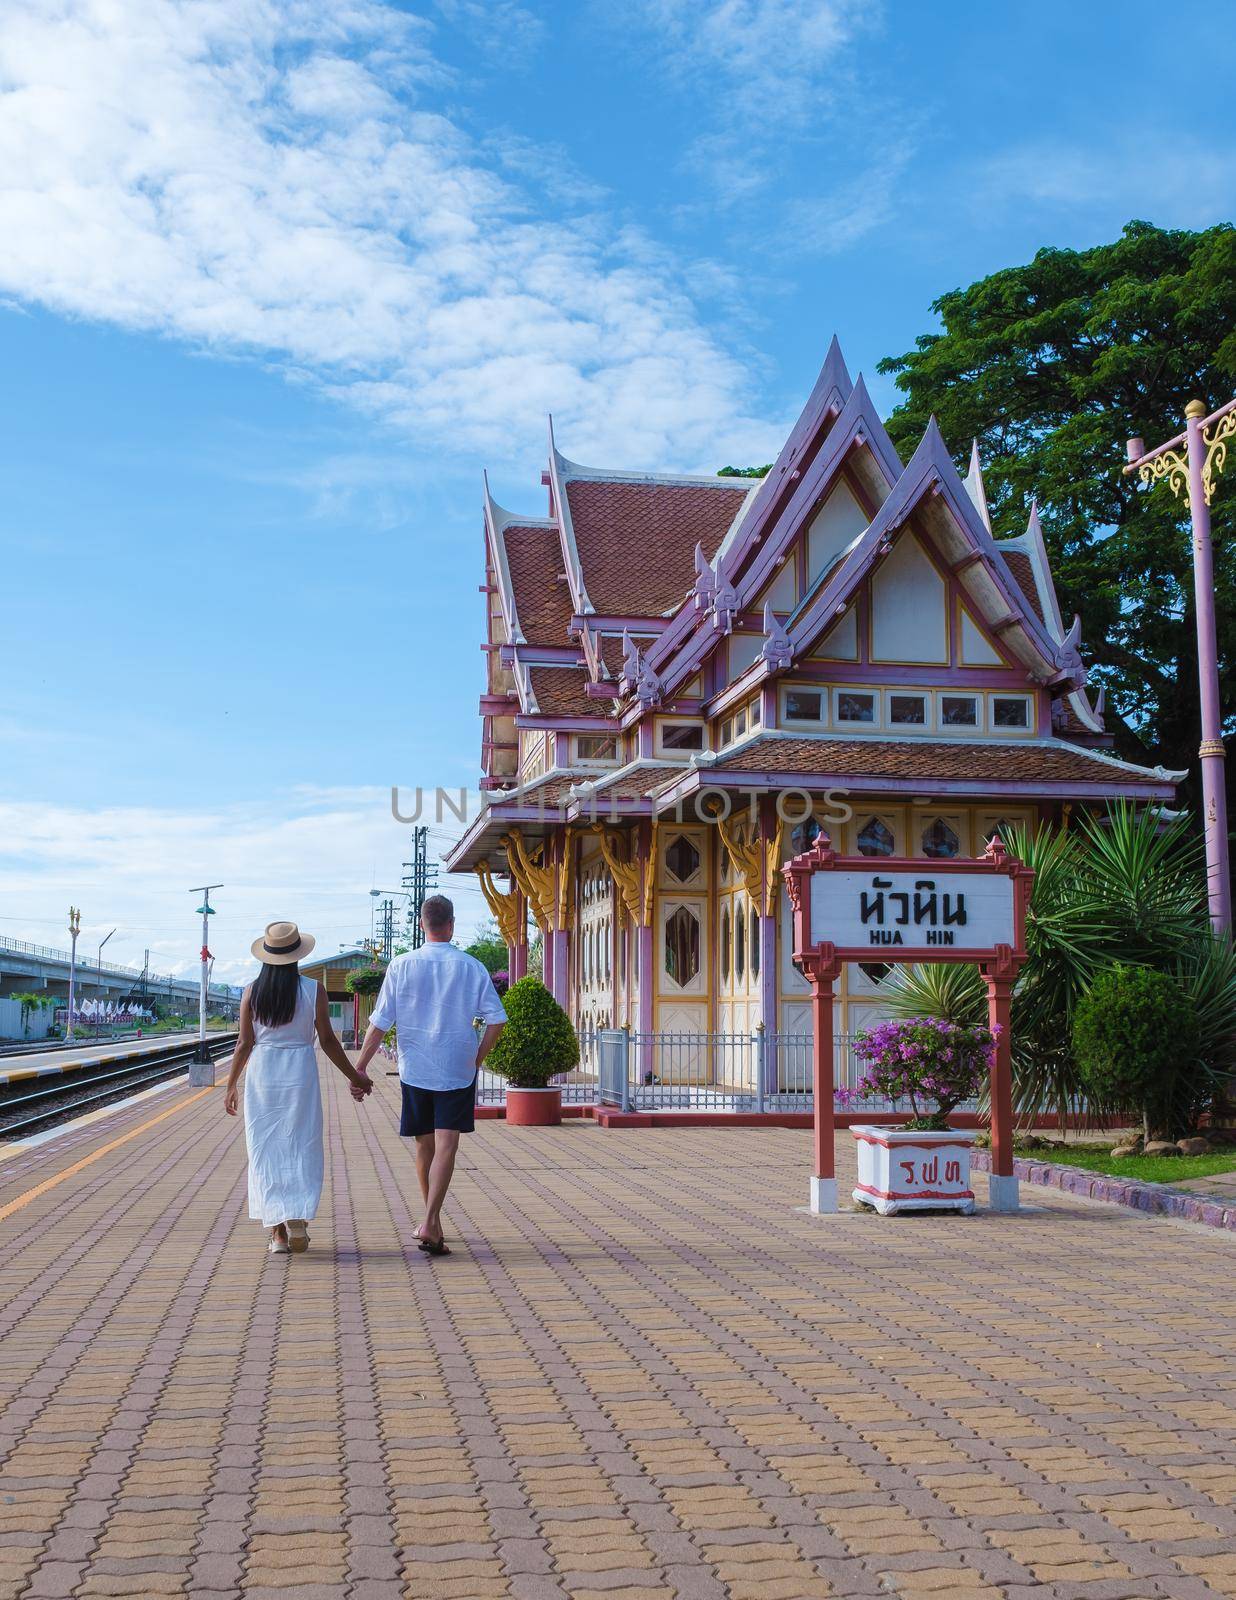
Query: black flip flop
{"type": "Point", "coordinates": [431, 1249]}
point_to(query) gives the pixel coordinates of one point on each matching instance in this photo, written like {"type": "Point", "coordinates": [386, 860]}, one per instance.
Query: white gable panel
{"type": "Point", "coordinates": [782, 593]}
{"type": "Point", "coordinates": [837, 524]}
{"type": "Point", "coordinates": [909, 620]}
{"type": "Point", "coordinates": [840, 643]}
{"type": "Point", "coordinates": [744, 649]}
{"type": "Point", "coordinates": [975, 649]}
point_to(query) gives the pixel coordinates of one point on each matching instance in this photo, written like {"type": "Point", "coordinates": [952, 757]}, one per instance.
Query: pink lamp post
{"type": "Point", "coordinates": [1194, 475]}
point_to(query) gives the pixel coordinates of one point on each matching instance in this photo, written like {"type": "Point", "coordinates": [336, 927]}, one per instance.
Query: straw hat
{"type": "Point", "coordinates": [282, 944]}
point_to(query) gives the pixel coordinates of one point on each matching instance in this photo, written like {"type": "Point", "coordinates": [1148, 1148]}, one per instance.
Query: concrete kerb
{"type": "Point", "coordinates": [1155, 1199]}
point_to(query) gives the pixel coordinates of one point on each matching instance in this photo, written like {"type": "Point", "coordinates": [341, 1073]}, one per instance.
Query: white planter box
{"type": "Point", "coordinates": [904, 1171]}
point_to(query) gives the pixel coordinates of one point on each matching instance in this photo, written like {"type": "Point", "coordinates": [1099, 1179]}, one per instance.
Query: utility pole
{"type": "Point", "coordinates": [1193, 476]}
{"type": "Point", "coordinates": [99, 978]}
{"type": "Point", "coordinates": [75, 927]}
{"type": "Point", "coordinates": [202, 1070]}
{"type": "Point", "coordinates": [419, 879]}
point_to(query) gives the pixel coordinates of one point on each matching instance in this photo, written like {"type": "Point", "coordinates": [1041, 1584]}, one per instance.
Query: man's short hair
{"type": "Point", "coordinates": [437, 913]}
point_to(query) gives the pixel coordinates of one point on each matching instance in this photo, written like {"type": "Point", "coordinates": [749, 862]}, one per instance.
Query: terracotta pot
{"type": "Point", "coordinates": [534, 1108]}
{"type": "Point", "coordinates": [900, 1170]}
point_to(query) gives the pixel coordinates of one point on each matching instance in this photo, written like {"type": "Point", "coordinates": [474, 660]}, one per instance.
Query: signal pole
{"type": "Point", "coordinates": [75, 927]}
{"type": "Point", "coordinates": [202, 1070]}
{"type": "Point", "coordinates": [419, 879]}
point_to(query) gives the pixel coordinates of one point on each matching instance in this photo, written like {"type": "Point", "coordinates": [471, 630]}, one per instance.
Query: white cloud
{"type": "Point", "coordinates": [274, 178]}
{"type": "Point", "coordinates": [768, 61]}
{"type": "Point", "coordinates": [828, 224]}
{"type": "Point", "coordinates": [313, 857]}
{"type": "Point", "coordinates": [754, 72]}
{"type": "Point", "coordinates": [1127, 174]}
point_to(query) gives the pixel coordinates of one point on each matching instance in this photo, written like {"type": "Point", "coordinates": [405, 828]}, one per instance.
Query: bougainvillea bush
{"type": "Point", "coordinates": [926, 1061]}
{"type": "Point", "coordinates": [501, 980]}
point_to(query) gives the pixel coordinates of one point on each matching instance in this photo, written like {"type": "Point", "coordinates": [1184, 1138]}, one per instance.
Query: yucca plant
{"type": "Point", "coordinates": [1123, 887]}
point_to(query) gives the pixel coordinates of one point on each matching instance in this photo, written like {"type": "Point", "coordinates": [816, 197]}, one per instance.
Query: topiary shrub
{"type": "Point", "coordinates": [538, 1041]}
{"type": "Point", "coordinates": [1135, 1040]}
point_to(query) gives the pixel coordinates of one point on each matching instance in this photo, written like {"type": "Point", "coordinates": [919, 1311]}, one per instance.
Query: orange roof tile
{"type": "Point", "coordinates": [636, 541]}
{"type": "Point", "coordinates": [542, 603]}
{"type": "Point", "coordinates": [1022, 570]}
{"type": "Point", "coordinates": [1009, 762]}
{"type": "Point", "coordinates": [559, 692]}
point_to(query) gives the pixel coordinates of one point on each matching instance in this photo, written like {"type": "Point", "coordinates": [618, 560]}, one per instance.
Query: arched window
{"type": "Point", "coordinates": [682, 947]}
{"type": "Point", "coordinates": [755, 944]}
{"type": "Point", "coordinates": [740, 942]}
{"type": "Point", "coordinates": [725, 943]}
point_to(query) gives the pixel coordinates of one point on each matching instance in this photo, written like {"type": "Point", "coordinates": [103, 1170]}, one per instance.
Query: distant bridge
{"type": "Point", "coordinates": [43, 970]}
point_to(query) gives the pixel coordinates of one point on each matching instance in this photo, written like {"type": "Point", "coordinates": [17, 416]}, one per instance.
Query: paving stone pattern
{"type": "Point", "coordinates": [642, 1373]}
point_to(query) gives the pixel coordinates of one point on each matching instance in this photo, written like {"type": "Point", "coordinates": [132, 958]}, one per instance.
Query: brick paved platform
{"type": "Point", "coordinates": [642, 1373]}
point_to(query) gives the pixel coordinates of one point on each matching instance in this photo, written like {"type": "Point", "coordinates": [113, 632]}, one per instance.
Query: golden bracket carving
{"type": "Point", "coordinates": [1173, 466]}
{"type": "Point", "coordinates": [536, 882]}
{"type": "Point", "coordinates": [746, 857]}
{"type": "Point", "coordinates": [772, 869]}
{"type": "Point", "coordinates": [626, 874]}
{"type": "Point", "coordinates": [1215, 440]}
{"type": "Point", "coordinates": [650, 871]}
{"type": "Point", "coordinates": [1169, 464]}
{"type": "Point", "coordinates": [566, 879]}
{"type": "Point", "coordinates": [506, 908]}
{"type": "Point", "coordinates": [757, 862]}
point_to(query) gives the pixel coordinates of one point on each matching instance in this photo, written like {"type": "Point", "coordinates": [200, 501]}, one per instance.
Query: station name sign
{"type": "Point", "coordinates": [915, 909]}
{"type": "Point", "coordinates": [851, 908]}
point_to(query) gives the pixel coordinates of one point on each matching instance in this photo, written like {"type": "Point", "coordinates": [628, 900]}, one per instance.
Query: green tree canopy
{"type": "Point", "coordinates": [1052, 366]}
{"type": "Point", "coordinates": [489, 948]}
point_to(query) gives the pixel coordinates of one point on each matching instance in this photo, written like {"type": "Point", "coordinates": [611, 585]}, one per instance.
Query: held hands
{"type": "Point", "coordinates": [361, 1086]}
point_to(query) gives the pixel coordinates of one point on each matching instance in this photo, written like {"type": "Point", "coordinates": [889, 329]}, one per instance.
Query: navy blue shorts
{"type": "Point", "coordinates": [427, 1109]}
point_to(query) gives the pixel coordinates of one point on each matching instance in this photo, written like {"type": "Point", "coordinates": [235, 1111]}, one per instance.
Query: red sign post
{"type": "Point", "coordinates": [863, 908]}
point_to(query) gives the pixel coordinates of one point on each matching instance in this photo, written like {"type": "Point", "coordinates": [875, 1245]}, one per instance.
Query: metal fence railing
{"type": "Point", "coordinates": [761, 1072]}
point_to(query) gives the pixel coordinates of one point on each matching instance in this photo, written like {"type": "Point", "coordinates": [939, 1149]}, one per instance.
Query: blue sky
{"type": "Point", "coordinates": [278, 280]}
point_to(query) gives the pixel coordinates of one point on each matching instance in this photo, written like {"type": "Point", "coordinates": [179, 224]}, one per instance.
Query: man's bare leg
{"type": "Point", "coordinates": [424, 1160]}
{"type": "Point", "coordinates": [445, 1146]}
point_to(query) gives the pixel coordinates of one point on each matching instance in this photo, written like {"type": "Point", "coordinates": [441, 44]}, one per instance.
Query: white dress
{"type": "Point", "coordinates": [283, 1117]}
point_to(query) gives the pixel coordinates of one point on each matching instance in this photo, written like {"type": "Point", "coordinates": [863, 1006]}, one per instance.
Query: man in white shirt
{"type": "Point", "coordinates": [431, 997]}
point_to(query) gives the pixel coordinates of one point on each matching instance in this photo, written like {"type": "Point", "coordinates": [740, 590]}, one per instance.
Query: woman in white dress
{"type": "Point", "coordinates": [280, 1014]}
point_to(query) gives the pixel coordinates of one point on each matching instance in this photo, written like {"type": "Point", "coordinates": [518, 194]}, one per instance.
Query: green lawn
{"type": "Point", "coordinates": [1149, 1169]}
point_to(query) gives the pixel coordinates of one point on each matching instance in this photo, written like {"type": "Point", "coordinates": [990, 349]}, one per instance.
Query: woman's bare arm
{"type": "Point", "coordinates": [331, 1047]}
{"type": "Point", "coordinates": [244, 1047]}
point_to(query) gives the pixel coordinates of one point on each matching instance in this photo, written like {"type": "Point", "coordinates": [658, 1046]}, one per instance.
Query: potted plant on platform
{"type": "Point", "coordinates": [537, 1043]}
{"type": "Point", "coordinates": [921, 1164]}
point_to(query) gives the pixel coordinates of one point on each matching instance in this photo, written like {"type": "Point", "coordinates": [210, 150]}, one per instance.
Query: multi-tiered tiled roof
{"type": "Point", "coordinates": [611, 608]}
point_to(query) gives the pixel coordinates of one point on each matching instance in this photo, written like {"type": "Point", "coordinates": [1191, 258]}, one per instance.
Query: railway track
{"type": "Point", "coordinates": [29, 1106]}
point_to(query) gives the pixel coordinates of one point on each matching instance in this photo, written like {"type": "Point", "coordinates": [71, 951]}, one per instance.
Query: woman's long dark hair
{"type": "Point", "coordinates": [273, 994]}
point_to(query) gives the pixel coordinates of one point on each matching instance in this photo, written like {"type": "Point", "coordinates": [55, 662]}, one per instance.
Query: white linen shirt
{"type": "Point", "coordinates": [431, 997]}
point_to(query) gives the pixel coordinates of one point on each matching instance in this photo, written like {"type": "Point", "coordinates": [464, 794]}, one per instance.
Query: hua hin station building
{"type": "Point", "coordinates": [689, 676]}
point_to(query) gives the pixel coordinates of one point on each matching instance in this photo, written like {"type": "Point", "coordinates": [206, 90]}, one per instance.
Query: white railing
{"type": "Point", "coordinates": [761, 1072]}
